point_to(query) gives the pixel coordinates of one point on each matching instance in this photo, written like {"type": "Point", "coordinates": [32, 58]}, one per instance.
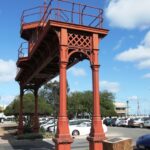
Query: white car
{"type": "Point", "coordinates": [124, 122]}
{"type": "Point", "coordinates": [138, 122]}
{"type": "Point", "coordinates": [83, 129]}
{"type": "Point", "coordinates": [147, 123]}
{"type": "Point", "coordinates": [72, 122]}
{"type": "Point", "coordinates": [48, 124]}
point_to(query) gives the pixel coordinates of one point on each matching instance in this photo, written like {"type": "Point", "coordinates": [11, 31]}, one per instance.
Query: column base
{"type": "Point", "coordinates": [95, 146]}
{"type": "Point", "coordinates": [63, 143]}
{"type": "Point", "coordinates": [96, 143]}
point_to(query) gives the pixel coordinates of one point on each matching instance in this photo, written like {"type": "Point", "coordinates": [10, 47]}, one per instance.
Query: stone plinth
{"type": "Point", "coordinates": [118, 144]}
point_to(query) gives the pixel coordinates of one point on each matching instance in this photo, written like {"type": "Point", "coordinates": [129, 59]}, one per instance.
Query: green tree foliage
{"type": "Point", "coordinates": [28, 106]}
{"type": "Point", "coordinates": [50, 92]}
{"type": "Point", "coordinates": [107, 105]}
{"type": "Point", "coordinates": [79, 102]}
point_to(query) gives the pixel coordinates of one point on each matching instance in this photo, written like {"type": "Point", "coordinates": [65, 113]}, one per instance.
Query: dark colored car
{"type": "Point", "coordinates": [130, 123]}
{"type": "Point", "coordinates": [107, 121]}
{"type": "Point", "coordinates": [113, 122]}
{"type": "Point", "coordinates": [143, 142]}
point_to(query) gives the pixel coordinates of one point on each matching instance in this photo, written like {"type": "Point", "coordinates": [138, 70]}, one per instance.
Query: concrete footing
{"type": "Point", "coordinates": [118, 144]}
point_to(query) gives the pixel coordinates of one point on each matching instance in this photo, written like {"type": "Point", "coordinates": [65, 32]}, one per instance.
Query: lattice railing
{"type": "Point", "coordinates": [79, 40]}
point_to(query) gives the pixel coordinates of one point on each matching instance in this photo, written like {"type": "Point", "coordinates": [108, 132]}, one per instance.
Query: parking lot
{"type": "Point", "coordinates": [133, 133]}
{"type": "Point", "coordinates": [8, 142]}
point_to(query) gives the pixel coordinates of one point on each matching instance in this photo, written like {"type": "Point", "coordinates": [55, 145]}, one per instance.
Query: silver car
{"type": "Point", "coordinates": [147, 123]}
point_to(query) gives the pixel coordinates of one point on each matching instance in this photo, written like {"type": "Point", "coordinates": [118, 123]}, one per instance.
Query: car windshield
{"type": "Point", "coordinates": [85, 124]}
{"type": "Point", "coordinates": [77, 122]}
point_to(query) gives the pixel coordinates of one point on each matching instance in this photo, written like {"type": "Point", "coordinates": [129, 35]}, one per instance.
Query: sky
{"type": "Point", "coordinates": [124, 54]}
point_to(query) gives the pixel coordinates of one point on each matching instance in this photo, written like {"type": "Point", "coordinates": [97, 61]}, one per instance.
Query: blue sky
{"type": "Point", "coordinates": [124, 53]}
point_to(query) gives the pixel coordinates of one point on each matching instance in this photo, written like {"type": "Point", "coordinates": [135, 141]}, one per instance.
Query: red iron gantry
{"type": "Point", "coordinates": [59, 35]}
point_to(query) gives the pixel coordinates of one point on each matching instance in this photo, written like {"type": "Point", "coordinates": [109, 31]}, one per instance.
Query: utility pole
{"type": "Point", "coordinates": [127, 109]}
{"type": "Point", "coordinates": [138, 107]}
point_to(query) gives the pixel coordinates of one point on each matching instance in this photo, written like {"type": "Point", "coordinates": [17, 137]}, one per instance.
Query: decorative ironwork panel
{"type": "Point", "coordinates": [79, 41]}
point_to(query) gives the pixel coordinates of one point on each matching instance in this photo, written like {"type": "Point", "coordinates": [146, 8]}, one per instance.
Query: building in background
{"type": "Point", "coordinates": [121, 109]}
{"type": "Point", "coordinates": [2, 108]}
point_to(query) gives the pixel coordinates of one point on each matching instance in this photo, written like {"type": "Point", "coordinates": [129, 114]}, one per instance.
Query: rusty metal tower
{"type": "Point", "coordinates": [58, 36]}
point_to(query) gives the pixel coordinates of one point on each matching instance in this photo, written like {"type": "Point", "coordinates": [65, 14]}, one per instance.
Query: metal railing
{"type": "Point", "coordinates": [23, 50]}
{"type": "Point", "coordinates": [65, 11]}
{"type": "Point", "coordinates": [32, 14]}
{"type": "Point", "coordinates": [62, 11]}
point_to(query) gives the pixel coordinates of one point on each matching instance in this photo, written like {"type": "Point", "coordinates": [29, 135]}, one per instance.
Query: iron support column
{"type": "Point", "coordinates": [63, 139]}
{"type": "Point", "coordinates": [96, 134]}
{"type": "Point", "coordinates": [20, 126]}
{"type": "Point", "coordinates": [36, 118]}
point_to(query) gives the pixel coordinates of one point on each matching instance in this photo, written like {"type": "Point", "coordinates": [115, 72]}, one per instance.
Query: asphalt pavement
{"type": "Point", "coordinates": [8, 142]}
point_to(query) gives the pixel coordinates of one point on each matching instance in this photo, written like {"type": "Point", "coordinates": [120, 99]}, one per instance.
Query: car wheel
{"type": "Point", "coordinates": [75, 133]}
{"type": "Point", "coordinates": [141, 125]}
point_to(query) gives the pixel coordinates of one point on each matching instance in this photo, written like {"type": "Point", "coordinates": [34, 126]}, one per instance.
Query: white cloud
{"type": "Point", "coordinates": [146, 75]}
{"type": "Point", "coordinates": [140, 54]}
{"type": "Point", "coordinates": [113, 87]}
{"type": "Point", "coordinates": [7, 70]}
{"type": "Point", "coordinates": [77, 72]}
{"type": "Point", "coordinates": [134, 54]}
{"type": "Point", "coordinates": [6, 100]}
{"type": "Point", "coordinates": [119, 43]}
{"type": "Point", "coordinates": [129, 14]}
{"type": "Point", "coordinates": [144, 64]}
{"type": "Point", "coordinates": [132, 97]}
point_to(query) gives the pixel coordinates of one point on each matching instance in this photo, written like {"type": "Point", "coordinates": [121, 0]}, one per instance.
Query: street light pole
{"type": "Point", "coordinates": [127, 111]}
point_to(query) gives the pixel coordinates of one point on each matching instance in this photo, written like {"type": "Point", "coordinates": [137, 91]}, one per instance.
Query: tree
{"type": "Point", "coordinates": [28, 106]}
{"type": "Point", "coordinates": [50, 92]}
{"type": "Point", "coordinates": [107, 105]}
{"type": "Point", "coordinates": [80, 102]}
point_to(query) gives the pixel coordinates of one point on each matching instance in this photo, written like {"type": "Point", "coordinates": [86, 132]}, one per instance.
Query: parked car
{"type": "Point", "coordinates": [147, 123]}
{"type": "Point", "coordinates": [113, 121]}
{"type": "Point", "coordinates": [130, 122]}
{"type": "Point", "coordinates": [124, 122]}
{"type": "Point", "coordinates": [78, 121]}
{"type": "Point", "coordinates": [143, 142]}
{"type": "Point", "coordinates": [118, 121]}
{"type": "Point", "coordinates": [137, 122]}
{"type": "Point", "coordinates": [44, 120]}
{"type": "Point", "coordinates": [83, 129]}
{"type": "Point", "coordinates": [78, 127]}
{"type": "Point", "coordinates": [48, 124]}
{"type": "Point", "coordinates": [107, 121]}
{"type": "Point", "coordinates": [72, 122]}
